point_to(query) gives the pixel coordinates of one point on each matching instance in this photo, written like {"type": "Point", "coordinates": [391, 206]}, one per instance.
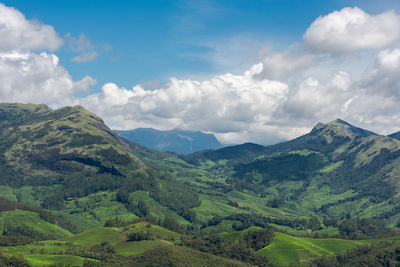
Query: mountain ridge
{"type": "Point", "coordinates": [176, 140]}
{"type": "Point", "coordinates": [78, 160]}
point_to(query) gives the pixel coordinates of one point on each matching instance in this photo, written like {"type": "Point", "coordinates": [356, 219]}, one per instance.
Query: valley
{"type": "Point", "coordinates": [74, 192]}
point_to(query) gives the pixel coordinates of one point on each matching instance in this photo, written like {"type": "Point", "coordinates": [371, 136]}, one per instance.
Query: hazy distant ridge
{"type": "Point", "coordinates": [176, 140]}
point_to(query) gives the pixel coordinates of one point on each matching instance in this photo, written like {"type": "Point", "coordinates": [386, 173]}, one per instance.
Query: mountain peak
{"type": "Point", "coordinates": [340, 128]}
{"type": "Point", "coordinates": [340, 121]}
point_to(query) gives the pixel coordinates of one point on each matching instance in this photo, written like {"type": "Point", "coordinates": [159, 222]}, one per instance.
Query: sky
{"type": "Point", "coordinates": [258, 71]}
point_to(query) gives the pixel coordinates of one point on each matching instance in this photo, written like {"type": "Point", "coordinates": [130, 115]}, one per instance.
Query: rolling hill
{"type": "Point", "coordinates": [336, 170]}
{"type": "Point", "coordinates": [77, 175]}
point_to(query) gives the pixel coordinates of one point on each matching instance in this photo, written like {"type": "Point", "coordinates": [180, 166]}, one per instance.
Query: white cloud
{"type": "Point", "coordinates": [351, 29]}
{"type": "Point", "coordinates": [82, 43]}
{"type": "Point", "coordinates": [84, 46]}
{"type": "Point", "coordinates": [18, 33]}
{"type": "Point", "coordinates": [383, 76]}
{"type": "Point", "coordinates": [224, 104]}
{"type": "Point", "coordinates": [282, 65]}
{"type": "Point", "coordinates": [85, 57]}
{"type": "Point", "coordinates": [253, 106]}
{"type": "Point", "coordinates": [27, 76]}
{"type": "Point", "coordinates": [37, 78]}
{"type": "Point", "coordinates": [312, 99]}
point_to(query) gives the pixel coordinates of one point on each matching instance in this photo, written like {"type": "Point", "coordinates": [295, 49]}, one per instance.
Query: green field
{"type": "Point", "coordinates": [286, 249]}
{"type": "Point", "coordinates": [53, 252]}
{"type": "Point", "coordinates": [31, 221]}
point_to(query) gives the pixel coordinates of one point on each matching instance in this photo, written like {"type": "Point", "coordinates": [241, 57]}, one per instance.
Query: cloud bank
{"type": "Point", "coordinates": [281, 97]}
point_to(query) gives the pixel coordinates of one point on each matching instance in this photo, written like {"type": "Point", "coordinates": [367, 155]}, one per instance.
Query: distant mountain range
{"type": "Point", "coordinates": [178, 141]}
{"type": "Point", "coordinates": [395, 135]}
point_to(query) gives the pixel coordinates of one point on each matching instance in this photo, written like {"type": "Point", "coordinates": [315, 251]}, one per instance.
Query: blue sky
{"type": "Point", "coordinates": [153, 40]}
{"type": "Point", "coordinates": [259, 71]}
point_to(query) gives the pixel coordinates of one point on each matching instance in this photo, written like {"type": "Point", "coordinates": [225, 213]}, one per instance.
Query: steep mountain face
{"type": "Point", "coordinates": [53, 158]}
{"type": "Point", "coordinates": [177, 141]}
{"type": "Point", "coordinates": [336, 170]}
{"type": "Point", "coordinates": [38, 141]}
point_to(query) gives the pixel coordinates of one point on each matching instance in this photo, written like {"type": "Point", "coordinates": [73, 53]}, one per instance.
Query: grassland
{"type": "Point", "coordinates": [54, 252]}
{"type": "Point", "coordinates": [32, 222]}
{"type": "Point", "coordinates": [287, 249]}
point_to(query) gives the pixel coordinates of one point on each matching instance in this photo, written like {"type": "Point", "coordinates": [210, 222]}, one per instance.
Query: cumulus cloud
{"type": "Point", "coordinates": [18, 33]}
{"type": "Point", "coordinates": [37, 78]}
{"type": "Point", "coordinates": [279, 98]}
{"type": "Point", "coordinates": [224, 104]}
{"type": "Point", "coordinates": [239, 108]}
{"type": "Point", "coordinates": [28, 76]}
{"type": "Point", "coordinates": [351, 29]}
{"type": "Point", "coordinates": [383, 76]}
{"type": "Point", "coordinates": [282, 65]}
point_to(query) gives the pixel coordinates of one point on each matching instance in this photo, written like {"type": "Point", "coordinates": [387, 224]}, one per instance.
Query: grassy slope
{"type": "Point", "coordinates": [286, 249]}
{"type": "Point", "coordinates": [31, 221]}
{"type": "Point", "coordinates": [50, 252]}
{"type": "Point", "coordinates": [67, 130]}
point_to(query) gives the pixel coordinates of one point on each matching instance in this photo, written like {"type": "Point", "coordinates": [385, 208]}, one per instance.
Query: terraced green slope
{"type": "Point", "coordinates": [337, 170]}
{"type": "Point", "coordinates": [286, 249]}
{"type": "Point", "coordinates": [71, 250]}
{"type": "Point", "coordinates": [30, 221]}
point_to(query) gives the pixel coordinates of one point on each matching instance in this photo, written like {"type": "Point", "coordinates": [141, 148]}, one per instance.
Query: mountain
{"type": "Point", "coordinates": [60, 159]}
{"type": "Point", "coordinates": [178, 141]}
{"type": "Point", "coordinates": [38, 141]}
{"type": "Point", "coordinates": [336, 170]}
{"type": "Point", "coordinates": [69, 161]}
{"type": "Point", "coordinates": [395, 135]}
{"type": "Point", "coordinates": [64, 171]}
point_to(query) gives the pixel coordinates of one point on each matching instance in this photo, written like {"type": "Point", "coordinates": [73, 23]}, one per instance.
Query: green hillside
{"type": "Point", "coordinates": [113, 245]}
{"type": "Point", "coordinates": [64, 171]}
{"type": "Point", "coordinates": [286, 249]}
{"type": "Point", "coordinates": [70, 162]}
{"type": "Point", "coordinates": [337, 170]}
{"type": "Point", "coordinates": [30, 221]}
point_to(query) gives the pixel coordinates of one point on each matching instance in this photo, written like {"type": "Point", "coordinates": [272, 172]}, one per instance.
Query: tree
{"type": "Point", "coordinates": [257, 239]}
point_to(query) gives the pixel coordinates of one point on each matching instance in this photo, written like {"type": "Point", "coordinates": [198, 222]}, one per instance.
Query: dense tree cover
{"type": "Point", "coordinates": [13, 261]}
{"type": "Point", "coordinates": [257, 238]}
{"type": "Point", "coordinates": [285, 167]}
{"type": "Point", "coordinates": [356, 228]}
{"type": "Point", "coordinates": [102, 252]}
{"type": "Point", "coordinates": [242, 251]}
{"type": "Point", "coordinates": [121, 223]}
{"type": "Point", "coordinates": [162, 188]}
{"type": "Point", "coordinates": [382, 254]}
{"type": "Point", "coordinates": [140, 235]}
{"type": "Point", "coordinates": [166, 255]}
{"type": "Point", "coordinates": [248, 220]}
